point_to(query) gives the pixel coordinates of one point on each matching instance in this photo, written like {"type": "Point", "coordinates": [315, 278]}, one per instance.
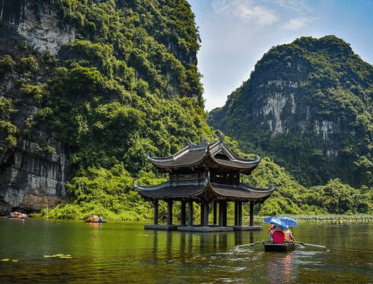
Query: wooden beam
{"type": "Point", "coordinates": [169, 212]}
{"type": "Point", "coordinates": [156, 212]}
{"type": "Point", "coordinates": [251, 213]}
{"type": "Point", "coordinates": [221, 214]}
{"type": "Point", "coordinates": [190, 213]}
{"type": "Point", "coordinates": [205, 214]}
{"type": "Point", "coordinates": [183, 213]}
{"type": "Point", "coordinates": [236, 213]}
{"type": "Point", "coordinates": [239, 213]}
{"type": "Point", "coordinates": [225, 215]}
{"type": "Point", "coordinates": [215, 213]}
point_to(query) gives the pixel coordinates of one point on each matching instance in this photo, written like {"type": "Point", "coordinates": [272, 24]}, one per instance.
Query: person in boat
{"type": "Point", "coordinates": [270, 232]}
{"type": "Point", "coordinates": [100, 219]}
{"type": "Point", "coordinates": [278, 236]}
{"type": "Point", "coordinates": [288, 236]}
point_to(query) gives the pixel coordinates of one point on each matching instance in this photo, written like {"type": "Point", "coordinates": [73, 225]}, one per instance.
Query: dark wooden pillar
{"type": "Point", "coordinates": [221, 214]}
{"type": "Point", "coordinates": [183, 213]}
{"type": "Point", "coordinates": [239, 223]}
{"type": "Point", "coordinates": [225, 214]}
{"type": "Point", "coordinates": [169, 212]}
{"type": "Point", "coordinates": [236, 213]}
{"type": "Point", "coordinates": [251, 213]}
{"type": "Point", "coordinates": [205, 214]}
{"type": "Point", "coordinates": [215, 213]}
{"type": "Point", "coordinates": [202, 213]}
{"type": "Point", "coordinates": [190, 213]}
{"type": "Point", "coordinates": [155, 212]}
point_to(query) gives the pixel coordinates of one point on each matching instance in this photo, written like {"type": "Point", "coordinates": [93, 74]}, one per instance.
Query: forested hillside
{"type": "Point", "coordinates": [87, 88]}
{"type": "Point", "coordinates": [309, 106]}
{"type": "Point", "coordinates": [127, 85]}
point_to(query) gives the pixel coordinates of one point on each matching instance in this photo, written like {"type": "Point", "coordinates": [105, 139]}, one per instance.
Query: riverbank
{"type": "Point", "coordinates": [327, 218]}
{"type": "Point", "coordinates": [257, 219]}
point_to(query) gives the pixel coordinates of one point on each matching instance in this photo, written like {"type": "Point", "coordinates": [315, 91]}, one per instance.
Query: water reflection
{"type": "Point", "coordinates": [125, 252]}
{"type": "Point", "coordinates": [280, 268]}
{"type": "Point", "coordinates": [96, 225]}
{"type": "Point", "coordinates": [187, 244]}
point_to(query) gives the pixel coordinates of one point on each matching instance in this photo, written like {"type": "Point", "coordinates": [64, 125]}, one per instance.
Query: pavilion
{"type": "Point", "coordinates": [208, 174]}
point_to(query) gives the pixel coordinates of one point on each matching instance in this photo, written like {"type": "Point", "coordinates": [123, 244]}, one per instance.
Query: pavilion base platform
{"type": "Point", "coordinates": [161, 227]}
{"type": "Point", "coordinates": [247, 228]}
{"type": "Point", "coordinates": [204, 229]}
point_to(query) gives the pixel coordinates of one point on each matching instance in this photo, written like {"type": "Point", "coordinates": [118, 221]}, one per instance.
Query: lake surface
{"type": "Point", "coordinates": [126, 253]}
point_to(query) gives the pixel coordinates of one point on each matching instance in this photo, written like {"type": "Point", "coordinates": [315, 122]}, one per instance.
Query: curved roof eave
{"type": "Point", "coordinates": [244, 188]}
{"type": "Point", "coordinates": [153, 191]}
{"type": "Point", "coordinates": [235, 164]}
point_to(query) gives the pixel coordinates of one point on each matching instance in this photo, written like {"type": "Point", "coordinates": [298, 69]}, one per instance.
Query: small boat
{"type": "Point", "coordinates": [18, 215]}
{"type": "Point", "coordinates": [94, 221]}
{"type": "Point", "coordinates": [269, 246]}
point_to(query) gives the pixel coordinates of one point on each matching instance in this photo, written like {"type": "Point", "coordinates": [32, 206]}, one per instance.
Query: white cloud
{"type": "Point", "coordinates": [265, 12]}
{"type": "Point", "coordinates": [299, 6]}
{"type": "Point", "coordinates": [246, 10]}
{"type": "Point", "coordinates": [260, 14]}
{"type": "Point", "coordinates": [296, 23]}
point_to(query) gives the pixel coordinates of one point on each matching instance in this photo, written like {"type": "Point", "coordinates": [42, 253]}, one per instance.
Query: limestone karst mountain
{"type": "Point", "coordinates": [308, 104]}
{"type": "Point", "coordinates": [92, 84]}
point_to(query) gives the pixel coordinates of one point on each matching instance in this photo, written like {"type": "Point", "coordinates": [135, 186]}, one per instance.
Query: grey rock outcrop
{"type": "Point", "coordinates": [37, 22]}
{"type": "Point", "coordinates": [282, 105]}
{"type": "Point", "coordinates": [31, 178]}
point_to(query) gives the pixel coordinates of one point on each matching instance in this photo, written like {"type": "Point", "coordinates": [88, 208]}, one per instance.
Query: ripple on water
{"type": "Point", "coordinates": [303, 253]}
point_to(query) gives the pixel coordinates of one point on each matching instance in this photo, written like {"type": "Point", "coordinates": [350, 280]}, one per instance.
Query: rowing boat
{"type": "Point", "coordinates": [269, 246]}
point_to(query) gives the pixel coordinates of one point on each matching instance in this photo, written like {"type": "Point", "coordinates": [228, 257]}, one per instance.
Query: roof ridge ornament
{"type": "Point", "coordinates": [221, 137]}
{"type": "Point", "coordinates": [149, 154]}
{"type": "Point", "coordinates": [204, 143]}
{"type": "Point", "coordinates": [191, 145]}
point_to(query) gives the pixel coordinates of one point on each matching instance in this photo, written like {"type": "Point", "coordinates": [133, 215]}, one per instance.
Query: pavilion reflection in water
{"type": "Point", "coordinates": [188, 244]}
{"type": "Point", "coordinates": [207, 174]}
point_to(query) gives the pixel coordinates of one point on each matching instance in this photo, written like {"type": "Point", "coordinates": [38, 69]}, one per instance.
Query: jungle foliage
{"type": "Point", "coordinates": [338, 87]}
{"type": "Point", "coordinates": [129, 85]}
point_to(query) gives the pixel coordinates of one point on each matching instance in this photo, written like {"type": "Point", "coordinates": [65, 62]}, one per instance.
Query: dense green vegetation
{"type": "Point", "coordinates": [295, 199]}
{"type": "Point", "coordinates": [8, 130]}
{"type": "Point", "coordinates": [129, 85]}
{"type": "Point", "coordinates": [338, 87]}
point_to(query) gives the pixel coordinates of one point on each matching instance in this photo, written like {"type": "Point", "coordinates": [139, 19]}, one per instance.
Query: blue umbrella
{"type": "Point", "coordinates": [288, 221]}
{"type": "Point", "coordinates": [272, 220]}
{"type": "Point", "coordinates": [276, 221]}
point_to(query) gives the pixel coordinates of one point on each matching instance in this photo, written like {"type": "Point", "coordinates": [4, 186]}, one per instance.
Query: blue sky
{"type": "Point", "coordinates": [236, 33]}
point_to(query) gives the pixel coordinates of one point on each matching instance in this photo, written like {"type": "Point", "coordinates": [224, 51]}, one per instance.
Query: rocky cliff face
{"type": "Point", "coordinates": [30, 177]}
{"type": "Point", "coordinates": [313, 97]}
{"type": "Point", "coordinates": [92, 84]}
{"type": "Point", "coordinates": [280, 104]}
{"type": "Point", "coordinates": [38, 24]}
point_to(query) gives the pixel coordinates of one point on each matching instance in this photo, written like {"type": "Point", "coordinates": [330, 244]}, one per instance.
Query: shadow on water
{"type": "Point", "coordinates": [126, 253]}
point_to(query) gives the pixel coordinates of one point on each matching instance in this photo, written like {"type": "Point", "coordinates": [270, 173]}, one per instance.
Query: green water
{"type": "Point", "coordinates": [126, 253]}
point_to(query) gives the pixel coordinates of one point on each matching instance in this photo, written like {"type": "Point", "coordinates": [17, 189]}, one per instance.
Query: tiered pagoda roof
{"type": "Point", "coordinates": [199, 191]}
{"type": "Point", "coordinates": [215, 157]}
